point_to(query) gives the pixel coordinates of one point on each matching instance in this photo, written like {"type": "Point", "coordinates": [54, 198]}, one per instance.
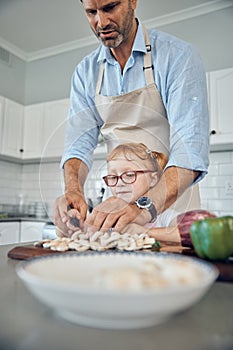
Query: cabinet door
{"type": "Point", "coordinates": [31, 231]}
{"type": "Point", "coordinates": [1, 120]}
{"type": "Point", "coordinates": [12, 129]}
{"type": "Point", "coordinates": [221, 106]}
{"type": "Point", "coordinates": [54, 127]}
{"type": "Point", "coordinates": [32, 132]}
{"type": "Point", "coordinates": [9, 232]}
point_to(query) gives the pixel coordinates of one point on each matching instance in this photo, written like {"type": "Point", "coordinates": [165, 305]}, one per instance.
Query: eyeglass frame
{"type": "Point", "coordinates": [125, 172]}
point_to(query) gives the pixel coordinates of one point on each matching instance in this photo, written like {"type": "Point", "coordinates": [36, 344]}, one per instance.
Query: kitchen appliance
{"type": "Point", "coordinates": [49, 231]}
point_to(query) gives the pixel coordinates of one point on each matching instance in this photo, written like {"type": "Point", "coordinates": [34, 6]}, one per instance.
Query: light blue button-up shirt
{"type": "Point", "coordinates": [180, 79]}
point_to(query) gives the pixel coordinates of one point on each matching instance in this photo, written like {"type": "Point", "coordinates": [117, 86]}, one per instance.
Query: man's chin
{"type": "Point", "coordinates": [111, 42]}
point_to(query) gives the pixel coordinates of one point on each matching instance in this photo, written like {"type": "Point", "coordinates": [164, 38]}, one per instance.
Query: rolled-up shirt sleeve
{"type": "Point", "coordinates": [187, 112]}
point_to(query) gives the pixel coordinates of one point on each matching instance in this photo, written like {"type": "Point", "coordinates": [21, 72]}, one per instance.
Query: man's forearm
{"type": "Point", "coordinates": [75, 174]}
{"type": "Point", "coordinates": [172, 184]}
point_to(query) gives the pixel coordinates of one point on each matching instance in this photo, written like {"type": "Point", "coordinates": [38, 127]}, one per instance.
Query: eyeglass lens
{"type": "Point", "coordinates": [128, 177]}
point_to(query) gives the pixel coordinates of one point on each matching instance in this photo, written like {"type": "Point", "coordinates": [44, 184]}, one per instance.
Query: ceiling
{"type": "Point", "coordinates": [32, 26]}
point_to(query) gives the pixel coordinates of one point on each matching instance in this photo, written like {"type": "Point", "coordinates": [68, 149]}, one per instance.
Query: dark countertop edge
{"type": "Point", "coordinates": [26, 218]}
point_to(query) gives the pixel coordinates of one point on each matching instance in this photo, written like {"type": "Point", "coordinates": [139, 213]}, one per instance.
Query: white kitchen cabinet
{"type": "Point", "coordinates": [33, 131]}
{"type": "Point", "coordinates": [220, 86]}
{"type": "Point", "coordinates": [9, 232]}
{"type": "Point", "coordinates": [21, 231]}
{"type": "Point", "coordinates": [31, 231]}
{"type": "Point", "coordinates": [12, 129]}
{"type": "Point", "coordinates": [54, 127]}
{"type": "Point", "coordinates": [44, 129]}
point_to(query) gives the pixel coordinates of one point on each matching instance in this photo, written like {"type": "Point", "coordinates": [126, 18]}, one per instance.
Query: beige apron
{"type": "Point", "coordinates": [140, 116]}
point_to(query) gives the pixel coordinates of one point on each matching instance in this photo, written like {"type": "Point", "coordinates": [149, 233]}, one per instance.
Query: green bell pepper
{"type": "Point", "coordinates": [212, 238]}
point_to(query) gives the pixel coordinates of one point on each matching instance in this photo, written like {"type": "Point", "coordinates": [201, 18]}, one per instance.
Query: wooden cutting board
{"type": "Point", "coordinates": [26, 252]}
{"type": "Point", "coordinates": [29, 251]}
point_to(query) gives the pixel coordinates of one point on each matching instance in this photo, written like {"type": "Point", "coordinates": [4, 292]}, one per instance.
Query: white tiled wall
{"type": "Point", "coordinates": [10, 182]}
{"type": "Point", "coordinates": [43, 182]}
{"type": "Point", "coordinates": [213, 186]}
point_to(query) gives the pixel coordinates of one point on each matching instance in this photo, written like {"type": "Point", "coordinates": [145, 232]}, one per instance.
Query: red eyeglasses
{"type": "Point", "coordinates": [128, 177]}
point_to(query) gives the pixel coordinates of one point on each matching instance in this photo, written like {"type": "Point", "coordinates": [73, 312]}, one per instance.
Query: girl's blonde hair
{"type": "Point", "coordinates": [128, 150]}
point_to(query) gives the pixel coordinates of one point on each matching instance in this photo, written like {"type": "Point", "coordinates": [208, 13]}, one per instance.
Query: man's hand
{"type": "Point", "coordinates": [115, 212]}
{"type": "Point", "coordinates": [75, 173]}
{"type": "Point", "coordinates": [71, 205]}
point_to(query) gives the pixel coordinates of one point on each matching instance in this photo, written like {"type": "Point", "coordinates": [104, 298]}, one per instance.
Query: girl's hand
{"type": "Point", "coordinates": [115, 213]}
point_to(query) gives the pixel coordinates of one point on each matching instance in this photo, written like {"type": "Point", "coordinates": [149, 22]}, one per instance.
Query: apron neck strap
{"type": "Point", "coordinates": [100, 77]}
{"type": "Point", "coordinates": [148, 66]}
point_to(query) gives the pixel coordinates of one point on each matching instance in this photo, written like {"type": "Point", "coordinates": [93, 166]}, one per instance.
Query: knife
{"type": "Point", "coordinates": [73, 220]}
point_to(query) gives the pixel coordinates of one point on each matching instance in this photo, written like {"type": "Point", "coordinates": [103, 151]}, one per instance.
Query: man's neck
{"type": "Point", "coordinates": [123, 52]}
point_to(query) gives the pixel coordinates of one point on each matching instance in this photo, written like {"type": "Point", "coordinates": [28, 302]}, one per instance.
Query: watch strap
{"type": "Point", "coordinates": [153, 213]}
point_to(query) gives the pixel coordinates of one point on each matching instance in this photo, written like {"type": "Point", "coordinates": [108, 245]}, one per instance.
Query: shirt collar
{"type": "Point", "coordinates": [139, 45]}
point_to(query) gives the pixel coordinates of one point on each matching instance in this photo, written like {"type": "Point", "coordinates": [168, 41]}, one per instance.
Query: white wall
{"type": "Point", "coordinates": [212, 187]}
{"type": "Point", "coordinates": [42, 182]}
{"type": "Point", "coordinates": [10, 182]}
{"type": "Point", "coordinates": [211, 34]}
{"type": "Point", "coordinates": [50, 79]}
{"type": "Point", "coordinates": [12, 79]}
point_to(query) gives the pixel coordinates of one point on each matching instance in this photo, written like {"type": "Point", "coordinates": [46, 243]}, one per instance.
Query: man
{"type": "Point", "coordinates": [142, 86]}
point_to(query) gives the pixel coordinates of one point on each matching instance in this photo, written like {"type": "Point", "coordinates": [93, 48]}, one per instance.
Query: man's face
{"type": "Point", "coordinates": [111, 21]}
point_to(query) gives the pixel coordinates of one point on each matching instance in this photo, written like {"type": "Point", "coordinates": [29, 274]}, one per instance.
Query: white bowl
{"type": "Point", "coordinates": [116, 290]}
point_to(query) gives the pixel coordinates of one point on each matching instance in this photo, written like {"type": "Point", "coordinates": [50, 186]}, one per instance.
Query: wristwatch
{"type": "Point", "coordinates": [146, 203]}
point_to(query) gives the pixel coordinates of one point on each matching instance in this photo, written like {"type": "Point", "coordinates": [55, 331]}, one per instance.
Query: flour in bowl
{"type": "Point", "coordinates": [150, 275]}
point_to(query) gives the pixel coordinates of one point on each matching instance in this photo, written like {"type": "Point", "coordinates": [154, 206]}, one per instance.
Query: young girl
{"type": "Point", "coordinates": [133, 170]}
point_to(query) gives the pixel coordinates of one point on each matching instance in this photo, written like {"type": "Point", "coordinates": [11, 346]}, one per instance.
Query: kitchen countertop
{"type": "Point", "coordinates": [27, 324]}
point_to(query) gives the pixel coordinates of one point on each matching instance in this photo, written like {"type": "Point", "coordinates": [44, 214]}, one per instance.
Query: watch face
{"type": "Point", "coordinates": [144, 201]}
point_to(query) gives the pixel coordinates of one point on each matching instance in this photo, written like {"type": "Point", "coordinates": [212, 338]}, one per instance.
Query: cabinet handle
{"type": "Point", "coordinates": [21, 150]}
{"type": "Point", "coordinates": [213, 132]}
